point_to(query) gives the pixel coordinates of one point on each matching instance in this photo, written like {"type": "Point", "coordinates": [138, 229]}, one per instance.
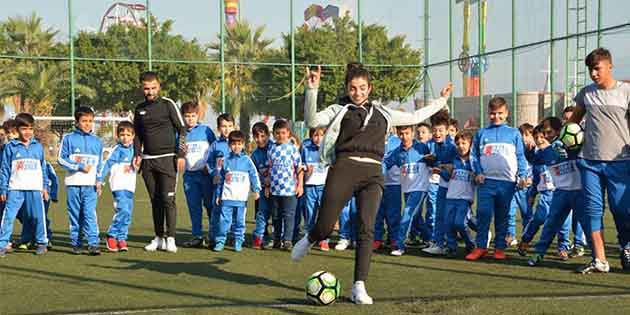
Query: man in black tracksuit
{"type": "Point", "coordinates": [160, 144]}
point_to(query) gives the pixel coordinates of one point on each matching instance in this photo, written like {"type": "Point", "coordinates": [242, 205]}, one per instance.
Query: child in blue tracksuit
{"type": "Point", "coordinates": [459, 196]}
{"type": "Point", "coordinates": [238, 176]}
{"type": "Point", "coordinates": [522, 196]}
{"type": "Point", "coordinates": [567, 196]}
{"type": "Point", "coordinates": [443, 153]}
{"type": "Point", "coordinates": [499, 164]}
{"type": "Point", "coordinates": [197, 182]}
{"type": "Point", "coordinates": [286, 176]}
{"type": "Point", "coordinates": [122, 183]}
{"type": "Point", "coordinates": [80, 155]}
{"type": "Point", "coordinates": [260, 132]}
{"type": "Point", "coordinates": [22, 184]}
{"type": "Point", "coordinates": [28, 230]}
{"type": "Point", "coordinates": [348, 227]}
{"type": "Point", "coordinates": [424, 135]}
{"type": "Point", "coordinates": [544, 185]}
{"type": "Point", "coordinates": [218, 150]}
{"type": "Point", "coordinates": [389, 211]}
{"type": "Point", "coordinates": [409, 157]}
{"type": "Point", "coordinates": [314, 180]}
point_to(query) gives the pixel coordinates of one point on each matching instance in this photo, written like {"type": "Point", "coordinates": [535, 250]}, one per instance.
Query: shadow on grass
{"type": "Point", "coordinates": [282, 304]}
{"type": "Point", "coordinates": [204, 269]}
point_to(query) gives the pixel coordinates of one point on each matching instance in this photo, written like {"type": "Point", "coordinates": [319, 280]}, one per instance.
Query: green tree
{"type": "Point", "coordinates": [337, 43]}
{"type": "Point", "coordinates": [245, 44]}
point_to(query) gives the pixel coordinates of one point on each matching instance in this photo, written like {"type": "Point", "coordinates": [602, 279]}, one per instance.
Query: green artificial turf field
{"type": "Point", "coordinates": [199, 281]}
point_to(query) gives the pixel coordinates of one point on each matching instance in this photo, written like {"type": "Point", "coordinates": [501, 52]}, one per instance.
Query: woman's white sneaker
{"type": "Point", "coordinates": [155, 244]}
{"type": "Point", "coordinates": [170, 245]}
{"type": "Point", "coordinates": [360, 295]}
{"type": "Point", "coordinates": [301, 248]}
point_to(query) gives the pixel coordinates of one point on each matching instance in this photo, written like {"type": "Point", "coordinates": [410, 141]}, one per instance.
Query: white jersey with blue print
{"type": "Point", "coordinates": [122, 175]}
{"type": "Point", "coordinates": [22, 167]}
{"type": "Point", "coordinates": [461, 184]}
{"type": "Point", "coordinates": [238, 177]}
{"type": "Point", "coordinates": [219, 149]}
{"type": "Point", "coordinates": [413, 169]}
{"type": "Point", "coordinates": [284, 163]}
{"type": "Point", "coordinates": [445, 152]}
{"type": "Point", "coordinates": [310, 157]}
{"type": "Point", "coordinates": [542, 178]}
{"type": "Point", "coordinates": [79, 149]}
{"type": "Point", "coordinates": [564, 171]}
{"type": "Point", "coordinates": [198, 141]}
{"type": "Point", "coordinates": [392, 175]}
{"type": "Point", "coordinates": [497, 153]}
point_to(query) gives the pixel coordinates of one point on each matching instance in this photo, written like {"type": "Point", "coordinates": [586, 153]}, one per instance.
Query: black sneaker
{"type": "Point", "coordinates": [268, 244]}
{"type": "Point", "coordinates": [277, 244]}
{"type": "Point", "coordinates": [77, 250]}
{"type": "Point", "coordinates": [287, 245]}
{"type": "Point", "coordinates": [451, 253]}
{"type": "Point", "coordinates": [194, 243]}
{"type": "Point", "coordinates": [94, 251]}
{"type": "Point", "coordinates": [625, 258]}
{"type": "Point", "coordinates": [41, 249]}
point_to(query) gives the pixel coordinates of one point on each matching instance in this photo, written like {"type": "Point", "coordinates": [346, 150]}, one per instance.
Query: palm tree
{"type": "Point", "coordinates": [26, 36]}
{"type": "Point", "coordinates": [242, 43]}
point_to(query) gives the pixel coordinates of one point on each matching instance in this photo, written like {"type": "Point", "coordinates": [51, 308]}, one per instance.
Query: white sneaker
{"type": "Point", "coordinates": [397, 252]}
{"type": "Point", "coordinates": [595, 265]}
{"type": "Point", "coordinates": [434, 250]}
{"type": "Point", "coordinates": [513, 243]}
{"type": "Point", "coordinates": [301, 248]}
{"type": "Point", "coordinates": [155, 244]}
{"type": "Point", "coordinates": [360, 295]}
{"type": "Point", "coordinates": [170, 245]}
{"type": "Point", "coordinates": [342, 245]}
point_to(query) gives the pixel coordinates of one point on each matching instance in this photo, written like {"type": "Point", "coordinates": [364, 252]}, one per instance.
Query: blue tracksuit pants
{"type": "Point", "coordinates": [228, 213]}
{"type": "Point", "coordinates": [559, 217]}
{"type": "Point", "coordinates": [123, 207]}
{"type": "Point", "coordinates": [348, 227]}
{"type": "Point", "coordinates": [262, 215]}
{"type": "Point", "coordinates": [33, 212]}
{"type": "Point", "coordinates": [457, 212]}
{"type": "Point", "coordinates": [493, 200]}
{"type": "Point", "coordinates": [28, 229]}
{"type": "Point", "coordinates": [413, 202]}
{"type": "Point", "coordinates": [520, 201]}
{"type": "Point", "coordinates": [389, 212]}
{"type": "Point", "coordinates": [199, 195]}
{"type": "Point", "coordinates": [540, 217]}
{"type": "Point", "coordinates": [441, 224]}
{"type": "Point", "coordinates": [614, 178]}
{"type": "Point", "coordinates": [81, 202]}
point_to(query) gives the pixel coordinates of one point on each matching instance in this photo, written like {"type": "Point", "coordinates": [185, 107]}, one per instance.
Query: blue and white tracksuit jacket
{"type": "Point", "coordinates": [238, 177]}
{"type": "Point", "coordinates": [497, 153]}
{"type": "Point", "coordinates": [459, 198]}
{"type": "Point", "coordinates": [79, 149]}
{"type": "Point", "coordinates": [413, 183]}
{"type": "Point", "coordinates": [219, 150]}
{"type": "Point", "coordinates": [567, 197]}
{"type": "Point", "coordinates": [22, 181]}
{"type": "Point", "coordinates": [389, 211]}
{"type": "Point", "coordinates": [122, 183]}
{"type": "Point", "coordinates": [197, 181]}
{"type": "Point", "coordinates": [52, 184]}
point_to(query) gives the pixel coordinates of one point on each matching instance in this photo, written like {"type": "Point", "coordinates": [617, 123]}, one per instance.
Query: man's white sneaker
{"type": "Point", "coordinates": [170, 245]}
{"type": "Point", "coordinates": [434, 250]}
{"type": "Point", "coordinates": [397, 252]}
{"type": "Point", "coordinates": [360, 295]}
{"type": "Point", "coordinates": [155, 244]}
{"type": "Point", "coordinates": [301, 248]}
{"type": "Point", "coordinates": [342, 245]}
{"type": "Point", "coordinates": [595, 265]}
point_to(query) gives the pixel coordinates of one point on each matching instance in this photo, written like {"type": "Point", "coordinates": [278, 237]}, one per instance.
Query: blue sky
{"type": "Point", "coordinates": [200, 19]}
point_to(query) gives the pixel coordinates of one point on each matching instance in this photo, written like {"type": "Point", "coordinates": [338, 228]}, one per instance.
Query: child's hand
{"type": "Point", "coordinates": [181, 165]}
{"type": "Point", "coordinates": [448, 168]}
{"type": "Point", "coordinates": [256, 196]}
{"type": "Point", "coordinates": [430, 157]}
{"type": "Point", "coordinates": [480, 179]}
{"type": "Point", "coordinates": [45, 195]}
{"type": "Point", "coordinates": [299, 190]}
{"type": "Point", "coordinates": [216, 179]}
{"type": "Point", "coordinates": [87, 168]}
{"type": "Point", "coordinates": [205, 170]}
{"type": "Point", "coordinates": [267, 192]}
{"type": "Point", "coordinates": [435, 170]}
{"type": "Point", "coordinates": [136, 162]}
{"type": "Point", "coordinates": [3, 198]}
{"type": "Point", "coordinates": [218, 201]}
{"type": "Point", "coordinates": [522, 183]}
{"type": "Point", "coordinates": [99, 188]}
